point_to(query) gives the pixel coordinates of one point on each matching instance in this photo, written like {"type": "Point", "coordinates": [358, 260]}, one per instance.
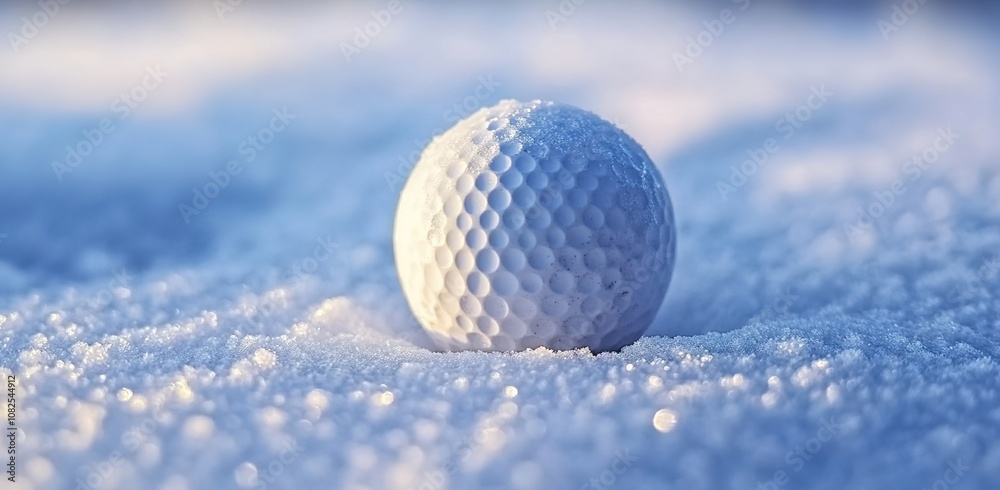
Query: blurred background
{"type": "Point", "coordinates": [165, 167]}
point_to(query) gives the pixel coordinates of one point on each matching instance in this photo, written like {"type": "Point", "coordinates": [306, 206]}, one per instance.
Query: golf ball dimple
{"type": "Point", "coordinates": [534, 224]}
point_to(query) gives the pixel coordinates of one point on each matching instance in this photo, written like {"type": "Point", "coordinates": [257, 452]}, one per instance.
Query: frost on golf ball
{"type": "Point", "coordinates": [534, 224]}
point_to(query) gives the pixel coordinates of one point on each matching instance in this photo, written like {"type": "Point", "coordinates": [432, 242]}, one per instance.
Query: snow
{"type": "Point", "coordinates": [265, 342]}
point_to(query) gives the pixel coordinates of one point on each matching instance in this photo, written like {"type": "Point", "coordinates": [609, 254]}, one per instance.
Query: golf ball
{"type": "Point", "coordinates": [534, 224]}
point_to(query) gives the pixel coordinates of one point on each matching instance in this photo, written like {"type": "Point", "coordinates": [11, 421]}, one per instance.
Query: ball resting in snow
{"type": "Point", "coordinates": [534, 224]}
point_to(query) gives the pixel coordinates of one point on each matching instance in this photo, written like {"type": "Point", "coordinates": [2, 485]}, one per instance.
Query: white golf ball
{"type": "Point", "coordinates": [534, 224]}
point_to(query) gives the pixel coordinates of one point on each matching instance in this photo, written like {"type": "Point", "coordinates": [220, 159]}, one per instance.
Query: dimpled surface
{"type": "Point", "coordinates": [534, 224]}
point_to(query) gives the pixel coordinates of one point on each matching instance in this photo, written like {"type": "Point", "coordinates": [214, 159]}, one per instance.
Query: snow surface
{"type": "Point", "coordinates": [266, 343]}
